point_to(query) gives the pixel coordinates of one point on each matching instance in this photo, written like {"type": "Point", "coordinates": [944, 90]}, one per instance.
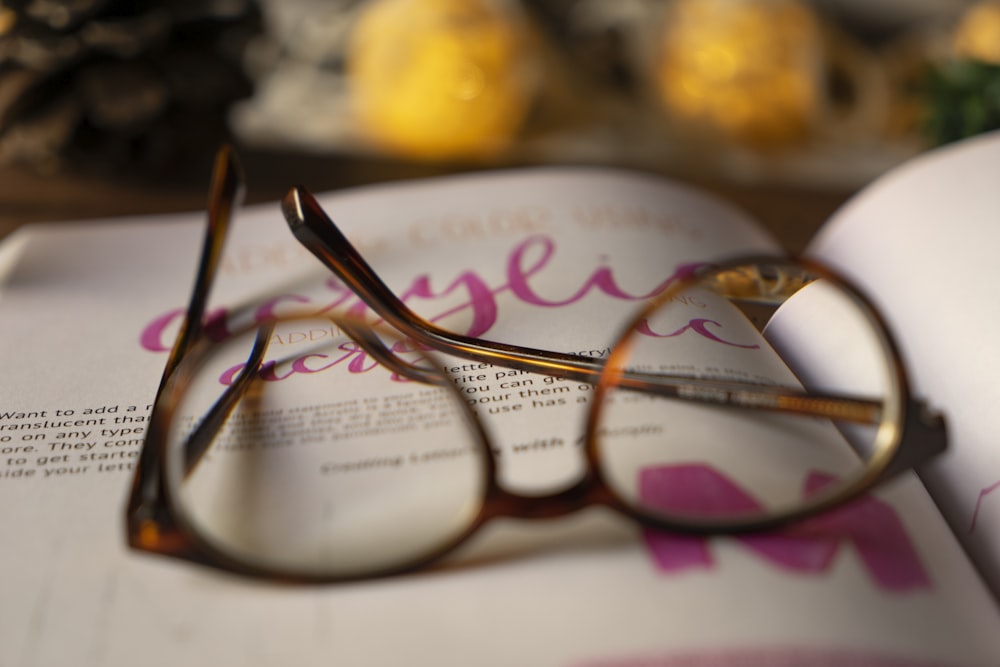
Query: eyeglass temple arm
{"type": "Point", "coordinates": [204, 434]}
{"type": "Point", "coordinates": [224, 197]}
{"type": "Point", "coordinates": [318, 233]}
{"type": "Point", "coordinates": [314, 229]}
{"type": "Point", "coordinates": [370, 342]}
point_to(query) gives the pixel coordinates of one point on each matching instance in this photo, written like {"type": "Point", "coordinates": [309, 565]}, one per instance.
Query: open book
{"type": "Point", "coordinates": [88, 312]}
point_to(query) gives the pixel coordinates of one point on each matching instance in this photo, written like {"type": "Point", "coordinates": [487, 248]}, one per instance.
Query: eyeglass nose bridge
{"type": "Point", "coordinates": [588, 491]}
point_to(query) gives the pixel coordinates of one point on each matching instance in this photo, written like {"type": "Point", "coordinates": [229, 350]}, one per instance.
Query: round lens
{"type": "Point", "coordinates": [328, 464]}
{"type": "Point", "coordinates": [749, 395]}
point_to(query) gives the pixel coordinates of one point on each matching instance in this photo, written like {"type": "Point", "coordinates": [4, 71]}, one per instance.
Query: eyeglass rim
{"type": "Point", "coordinates": [910, 436]}
{"type": "Point", "coordinates": [191, 543]}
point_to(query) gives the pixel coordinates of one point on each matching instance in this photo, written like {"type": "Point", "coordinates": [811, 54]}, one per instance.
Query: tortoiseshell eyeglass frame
{"type": "Point", "coordinates": [911, 435]}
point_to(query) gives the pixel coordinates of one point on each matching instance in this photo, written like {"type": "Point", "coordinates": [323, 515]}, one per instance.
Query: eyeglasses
{"type": "Point", "coordinates": [331, 446]}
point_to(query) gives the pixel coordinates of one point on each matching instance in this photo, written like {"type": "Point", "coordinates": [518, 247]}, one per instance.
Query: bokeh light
{"type": "Point", "coordinates": [749, 70]}
{"type": "Point", "coordinates": [442, 79]}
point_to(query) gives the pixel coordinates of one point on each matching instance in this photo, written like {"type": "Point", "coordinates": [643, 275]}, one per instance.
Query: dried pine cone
{"type": "Point", "coordinates": [141, 84]}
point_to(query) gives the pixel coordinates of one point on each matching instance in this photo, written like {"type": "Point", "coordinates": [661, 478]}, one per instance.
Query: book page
{"type": "Point", "coordinates": [554, 259]}
{"type": "Point", "coordinates": [922, 243]}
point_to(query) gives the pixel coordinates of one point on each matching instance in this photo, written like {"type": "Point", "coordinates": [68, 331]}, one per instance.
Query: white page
{"type": "Point", "coordinates": [922, 242]}
{"type": "Point", "coordinates": [586, 590]}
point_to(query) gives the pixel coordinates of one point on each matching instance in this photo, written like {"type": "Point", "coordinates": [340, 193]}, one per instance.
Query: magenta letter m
{"type": "Point", "coordinates": [869, 524]}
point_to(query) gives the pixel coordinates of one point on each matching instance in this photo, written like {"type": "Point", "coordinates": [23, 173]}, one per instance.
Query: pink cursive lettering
{"type": "Point", "coordinates": [700, 326]}
{"type": "Point", "coordinates": [307, 364]}
{"type": "Point", "coordinates": [476, 297]}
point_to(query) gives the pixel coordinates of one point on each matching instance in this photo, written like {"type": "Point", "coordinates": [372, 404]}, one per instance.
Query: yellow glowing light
{"type": "Point", "coordinates": [749, 69]}
{"type": "Point", "coordinates": [438, 79]}
{"type": "Point", "coordinates": [978, 33]}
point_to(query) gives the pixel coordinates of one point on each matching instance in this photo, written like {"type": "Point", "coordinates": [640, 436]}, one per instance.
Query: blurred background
{"type": "Point", "coordinates": [787, 107]}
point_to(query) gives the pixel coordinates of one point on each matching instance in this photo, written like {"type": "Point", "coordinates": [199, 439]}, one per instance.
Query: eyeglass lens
{"type": "Point", "coordinates": [692, 462]}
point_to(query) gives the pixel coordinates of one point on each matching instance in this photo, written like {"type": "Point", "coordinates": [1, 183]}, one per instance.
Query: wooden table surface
{"type": "Point", "coordinates": [792, 214]}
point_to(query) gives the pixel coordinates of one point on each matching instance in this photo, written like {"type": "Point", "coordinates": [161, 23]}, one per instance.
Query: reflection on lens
{"type": "Point", "coordinates": [330, 465]}
{"type": "Point", "coordinates": [751, 394]}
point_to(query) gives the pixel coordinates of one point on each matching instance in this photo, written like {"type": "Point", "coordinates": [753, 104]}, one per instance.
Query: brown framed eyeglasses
{"type": "Point", "coordinates": [351, 454]}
